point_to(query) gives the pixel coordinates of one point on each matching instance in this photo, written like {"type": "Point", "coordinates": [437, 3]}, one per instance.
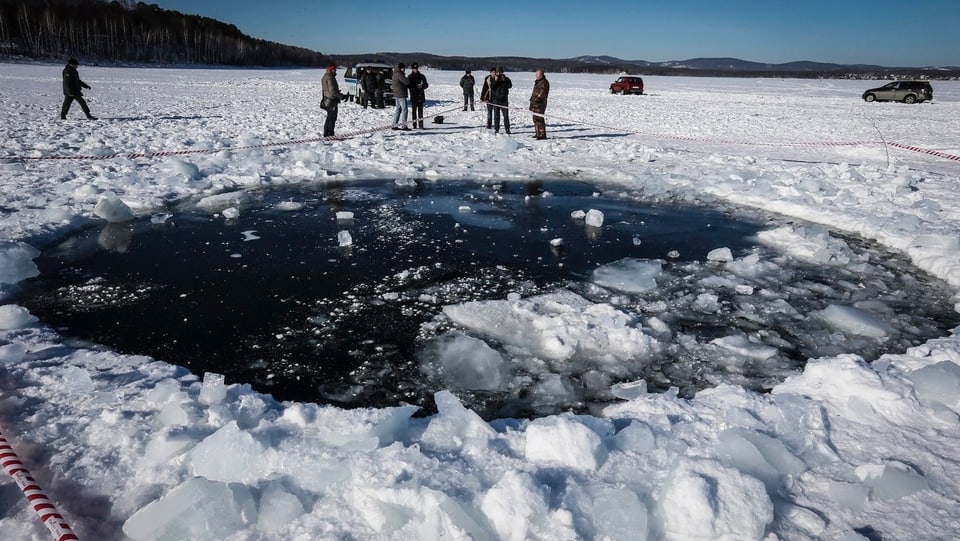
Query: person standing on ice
{"type": "Point", "coordinates": [538, 104]}
{"type": "Point", "coordinates": [400, 93]}
{"type": "Point", "coordinates": [418, 84]}
{"type": "Point", "coordinates": [467, 82]}
{"type": "Point", "coordinates": [485, 96]}
{"type": "Point", "coordinates": [72, 86]}
{"type": "Point", "coordinates": [331, 99]}
{"type": "Point", "coordinates": [500, 98]}
{"type": "Point", "coordinates": [372, 88]}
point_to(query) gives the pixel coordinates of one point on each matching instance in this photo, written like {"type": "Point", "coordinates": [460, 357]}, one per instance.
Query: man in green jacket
{"type": "Point", "coordinates": [71, 90]}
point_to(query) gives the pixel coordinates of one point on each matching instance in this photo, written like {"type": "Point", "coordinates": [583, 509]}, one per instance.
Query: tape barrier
{"type": "Point", "coordinates": [41, 504]}
{"type": "Point", "coordinates": [820, 144]}
{"type": "Point", "coordinates": [936, 153]}
{"type": "Point", "coordinates": [148, 155]}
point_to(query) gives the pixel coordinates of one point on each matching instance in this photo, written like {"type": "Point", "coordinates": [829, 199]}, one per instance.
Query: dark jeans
{"type": "Point", "coordinates": [330, 122]}
{"type": "Point", "coordinates": [67, 100]}
{"type": "Point", "coordinates": [489, 115]}
{"type": "Point", "coordinates": [417, 108]}
{"type": "Point", "coordinates": [497, 111]}
{"type": "Point", "coordinates": [467, 98]}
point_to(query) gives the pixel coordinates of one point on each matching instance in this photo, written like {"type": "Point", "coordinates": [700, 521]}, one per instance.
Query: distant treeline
{"type": "Point", "coordinates": [525, 64]}
{"type": "Point", "coordinates": [124, 31]}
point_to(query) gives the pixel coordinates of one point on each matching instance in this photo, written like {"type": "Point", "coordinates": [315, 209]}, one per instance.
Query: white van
{"type": "Point", "coordinates": [352, 82]}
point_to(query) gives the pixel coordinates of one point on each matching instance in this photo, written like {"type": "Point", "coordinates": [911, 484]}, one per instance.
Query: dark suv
{"type": "Point", "coordinates": [627, 85]}
{"type": "Point", "coordinates": [905, 91]}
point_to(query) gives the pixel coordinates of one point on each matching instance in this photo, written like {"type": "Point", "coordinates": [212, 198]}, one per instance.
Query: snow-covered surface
{"type": "Point", "coordinates": [131, 447]}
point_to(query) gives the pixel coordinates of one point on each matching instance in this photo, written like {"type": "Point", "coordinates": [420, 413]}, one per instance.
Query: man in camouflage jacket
{"type": "Point", "coordinates": [538, 104]}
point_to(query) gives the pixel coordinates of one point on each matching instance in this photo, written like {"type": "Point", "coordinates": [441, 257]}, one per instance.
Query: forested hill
{"type": "Point", "coordinates": [134, 32]}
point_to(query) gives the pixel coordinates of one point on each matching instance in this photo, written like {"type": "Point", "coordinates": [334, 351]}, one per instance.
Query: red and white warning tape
{"type": "Point", "coordinates": [136, 155]}
{"type": "Point", "coordinates": [936, 153]}
{"type": "Point", "coordinates": [147, 155]}
{"type": "Point", "coordinates": [41, 504]}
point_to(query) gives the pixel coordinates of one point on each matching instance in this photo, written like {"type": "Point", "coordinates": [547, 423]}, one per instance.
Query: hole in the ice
{"type": "Point", "coordinates": [465, 286]}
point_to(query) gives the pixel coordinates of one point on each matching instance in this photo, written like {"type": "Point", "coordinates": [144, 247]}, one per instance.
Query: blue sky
{"type": "Point", "coordinates": [885, 32]}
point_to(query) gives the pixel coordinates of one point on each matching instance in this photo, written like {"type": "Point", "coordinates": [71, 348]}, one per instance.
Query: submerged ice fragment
{"type": "Point", "coordinates": [629, 275]}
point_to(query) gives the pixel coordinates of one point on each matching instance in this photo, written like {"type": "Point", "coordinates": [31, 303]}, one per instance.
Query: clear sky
{"type": "Point", "coordinates": [892, 33]}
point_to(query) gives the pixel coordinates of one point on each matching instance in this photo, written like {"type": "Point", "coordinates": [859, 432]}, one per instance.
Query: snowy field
{"type": "Point", "coordinates": [130, 447]}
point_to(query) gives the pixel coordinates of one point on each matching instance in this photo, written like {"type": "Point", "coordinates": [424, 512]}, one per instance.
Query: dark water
{"type": "Point", "coordinates": [273, 300]}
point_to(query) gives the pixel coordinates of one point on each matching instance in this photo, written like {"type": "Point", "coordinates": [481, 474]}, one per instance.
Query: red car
{"type": "Point", "coordinates": [627, 85]}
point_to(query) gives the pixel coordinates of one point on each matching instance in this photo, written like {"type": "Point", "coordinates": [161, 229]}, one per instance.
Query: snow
{"type": "Point", "coordinates": [130, 447]}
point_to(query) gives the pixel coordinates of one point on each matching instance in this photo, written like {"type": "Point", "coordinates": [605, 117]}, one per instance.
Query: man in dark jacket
{"type": "Point", "coordinates": [71, 90]}
{"type": "Point", "coordinates": [538, 104]}
{"type": "Point", "coordinates": [467, 82]}
{"type": "Point", "coordinates": [500, 98]}
{"type": "Point", "coordinates": [418, 83]}
{"type": "Point", "coordinates": [371, 88]}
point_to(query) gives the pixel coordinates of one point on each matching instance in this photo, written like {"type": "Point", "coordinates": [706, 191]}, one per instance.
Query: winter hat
{"type": "Point", "coordinates": [73, 62]}
{"type": "Point", "coordinates": [468, 72]}
{"type": "Point", "coordinates": [400, 66]}
{"type": "Point", "coordinates": [331, 67]}
{"type": "Point", "coordinates": [414, 66]}
{"type": "Point", "coordinates": [499, 69]}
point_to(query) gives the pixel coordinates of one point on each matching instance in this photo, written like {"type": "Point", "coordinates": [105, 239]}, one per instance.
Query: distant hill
{"type": "Point", "coordinates": [726, 67]}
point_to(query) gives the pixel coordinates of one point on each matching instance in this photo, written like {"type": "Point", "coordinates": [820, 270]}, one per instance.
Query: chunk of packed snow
{"type": "Point", "coordinates": [16, 317]}
{"type": "Point", "coordinates": [16, 262]}
{"type": "Point", "coordinates": [218, 202]}
{"type": "Point", "coordinates": [562, 441]}
{"type": "Point", "coordinates": [113, 210]}
{"type": "Point", "coordinates": [704, 500]}
{"type": "Point", "coordinates": [723, 255]}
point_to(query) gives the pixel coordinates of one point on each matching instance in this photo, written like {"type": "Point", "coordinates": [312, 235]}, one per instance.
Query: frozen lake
{"type": "Point", "coordinates": [850, 207]}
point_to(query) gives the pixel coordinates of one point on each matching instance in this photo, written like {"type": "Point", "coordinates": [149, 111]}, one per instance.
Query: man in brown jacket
{"type": "Point", "coordinates": [538, 104]}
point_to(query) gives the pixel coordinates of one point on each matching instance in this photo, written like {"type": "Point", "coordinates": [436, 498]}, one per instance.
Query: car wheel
{"type": "Point", "coordinates": [623, 91]}
{"type": "Point", "coordinates": [869, 98]}
{"type": "Point", "coordinates": [909, 98]}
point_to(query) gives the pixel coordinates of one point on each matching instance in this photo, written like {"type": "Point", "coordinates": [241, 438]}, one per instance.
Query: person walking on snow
{"type": "Point", "coordinates": [331, 99]}
{"type": "Point", "coordinates": [400, 92]}
{"type": "Point", "coordinates": [538, 104]}
{"type": "Point", "coordinates": [500, 98]}
{"type": "Point", "coordinates": [467, 82]}
{"type": "Point", "coordinates": [72, 86]}
{"type": "Point", "coordinates": [418, 83]}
